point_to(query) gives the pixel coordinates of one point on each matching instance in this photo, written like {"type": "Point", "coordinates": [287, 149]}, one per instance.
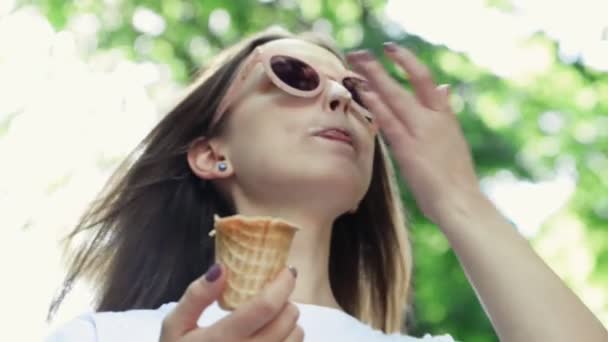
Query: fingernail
{"type": "Point", "coordinates": [213, 273]}
{"type": "Point", "coordinates": [293, 271]}
{"type": "Point", "coordinates": [364, 86]}
{"type": "Point", "coordinates": [361, 56]}
{"type": "Point", "coordinates": [390, 46]}
{"type": "Point", "coordinates": [445, 89]}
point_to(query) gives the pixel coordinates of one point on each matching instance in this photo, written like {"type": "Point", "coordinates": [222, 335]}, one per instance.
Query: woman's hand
{"type": "Point", "coordinates": [267, 317]}
{"type": "Point", "coordinates": [422, 131]}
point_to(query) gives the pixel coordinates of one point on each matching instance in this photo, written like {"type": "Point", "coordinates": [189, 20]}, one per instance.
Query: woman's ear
{"type": "Point", "coordinates": [205, 160]}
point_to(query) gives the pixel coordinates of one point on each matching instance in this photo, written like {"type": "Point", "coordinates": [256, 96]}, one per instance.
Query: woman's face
{"type": "Point", "coordinates": [272, 146]}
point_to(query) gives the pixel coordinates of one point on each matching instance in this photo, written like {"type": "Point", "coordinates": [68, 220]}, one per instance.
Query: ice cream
{"type": "Point", "coordinates": [253, 250]}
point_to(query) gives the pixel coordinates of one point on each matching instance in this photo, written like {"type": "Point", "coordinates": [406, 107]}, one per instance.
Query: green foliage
{"type": "Point", "coordinates": [500, 118]}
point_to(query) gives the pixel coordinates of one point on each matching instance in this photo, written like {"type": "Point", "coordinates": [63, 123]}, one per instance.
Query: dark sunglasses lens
{"type": "Point", "coordinates": [354, 86]}
{"type": "Point", "coordinates": [295, 73]}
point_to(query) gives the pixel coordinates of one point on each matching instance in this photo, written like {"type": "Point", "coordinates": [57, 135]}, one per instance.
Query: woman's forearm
{"type": "Point", "coordinates": [524, 299]}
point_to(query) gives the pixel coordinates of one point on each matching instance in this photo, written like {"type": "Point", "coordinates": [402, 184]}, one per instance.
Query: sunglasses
{"type": "Point", "coordinates": [297, 77]}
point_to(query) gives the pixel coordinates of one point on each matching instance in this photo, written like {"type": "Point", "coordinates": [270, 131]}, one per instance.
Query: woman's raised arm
{"type": "Point", "coordinates": [524, 299]}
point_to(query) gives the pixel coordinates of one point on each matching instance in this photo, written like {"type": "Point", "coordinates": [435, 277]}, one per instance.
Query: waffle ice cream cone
{"type": "Point", "coordinates": [253, 250]}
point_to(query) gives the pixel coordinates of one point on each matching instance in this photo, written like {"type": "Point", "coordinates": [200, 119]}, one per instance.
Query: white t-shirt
{"type": "Point", "coordinates": [319, 324]}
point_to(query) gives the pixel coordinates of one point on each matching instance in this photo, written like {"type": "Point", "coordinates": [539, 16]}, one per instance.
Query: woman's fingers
{"type": "Point", "coordinates": [419, 75]}
{"type": "Point", "coordinates": [296, 335]}
{"type": "Point", "coordinates": [444, 90]}
{"type": "Point", "coordinates": [269, 316]}
{"type": "Point", "coordinates": [281, 327]}
{"type": "Point", "coordinates": [253, 315]}
{"type": "Point", "coordinates": [198, 296]}
{"type": "Point", "coordinates": [391, 127]}
{"type": "Point", "coordinates": [392, 93]}
{"type": "Point", "coordinates": [407, 108]}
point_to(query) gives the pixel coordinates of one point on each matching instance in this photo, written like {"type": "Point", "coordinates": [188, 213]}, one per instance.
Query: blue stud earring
{"type": "Point", "coordinates": [222, 166]}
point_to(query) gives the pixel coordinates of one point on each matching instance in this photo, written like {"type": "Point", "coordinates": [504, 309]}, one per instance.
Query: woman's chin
{"type": "Point", "coordinates": [339, 186]}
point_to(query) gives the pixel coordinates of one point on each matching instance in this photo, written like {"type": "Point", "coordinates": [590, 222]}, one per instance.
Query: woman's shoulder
{"type": "Point", "coordinates": [130, 325]}
{"type": "Point", "coordinates": [328, 324]}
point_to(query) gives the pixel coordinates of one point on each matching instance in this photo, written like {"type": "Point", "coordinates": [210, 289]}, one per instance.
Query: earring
{"type": "Point", "coordinates": [222, 166]}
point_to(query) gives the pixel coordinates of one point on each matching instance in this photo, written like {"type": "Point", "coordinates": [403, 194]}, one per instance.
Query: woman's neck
{"type": "Point", "coordinates": [309, 254]}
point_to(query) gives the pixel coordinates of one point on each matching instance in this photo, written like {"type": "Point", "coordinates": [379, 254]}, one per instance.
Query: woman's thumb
{"type": "Point", "coordinates": [198, 296]}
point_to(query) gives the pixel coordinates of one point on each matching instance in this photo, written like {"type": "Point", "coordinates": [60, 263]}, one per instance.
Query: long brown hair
{"type": "Point", "coordinates": [145, 237]}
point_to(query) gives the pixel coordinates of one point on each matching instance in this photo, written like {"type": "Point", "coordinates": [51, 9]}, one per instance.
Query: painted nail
{"type": "Point", "coordinates": [361, 56]}
{"type": "Point", "coordinates": [214, 272]}
{"type": "Point", "coordinates": [445, 89]}
{"type": "Point", "coordinates": [293, 271]}
{"type": "Point", "coordinates": [390, 46]}
{"type": "Point", "coordinates": [364, 87]}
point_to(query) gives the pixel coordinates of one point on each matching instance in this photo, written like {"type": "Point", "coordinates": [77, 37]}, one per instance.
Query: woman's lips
{"type": "Point", "coordinates": [335, 134]}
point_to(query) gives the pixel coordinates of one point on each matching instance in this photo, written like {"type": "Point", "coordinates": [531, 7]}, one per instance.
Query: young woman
{"type": "Point", "coordinates": [280, 126]}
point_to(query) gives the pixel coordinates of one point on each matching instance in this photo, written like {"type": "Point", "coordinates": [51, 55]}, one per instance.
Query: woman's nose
{"type": "Point", "coordinates": [338, 98]}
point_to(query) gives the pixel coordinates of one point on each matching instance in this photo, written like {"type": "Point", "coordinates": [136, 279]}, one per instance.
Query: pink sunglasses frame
{"type": "Point", "coordinates": [264, 55]}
